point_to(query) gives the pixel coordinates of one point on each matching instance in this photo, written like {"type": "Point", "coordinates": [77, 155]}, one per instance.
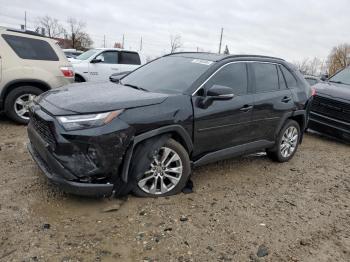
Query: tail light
{"type": "Point", "coordinates": [67, 71]}
{"type": "Point", "coordinates": [313, 91]}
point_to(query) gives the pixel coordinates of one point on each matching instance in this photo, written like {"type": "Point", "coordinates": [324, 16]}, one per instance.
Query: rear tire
{"type": "Point", "coordinates": [287, 143]}
{"type": "Point", "coordinates": [163, 172]}
{"type": "Point", "coordinates": [78, 79]}
{"type": "Point", "coordinates": [18, 101]}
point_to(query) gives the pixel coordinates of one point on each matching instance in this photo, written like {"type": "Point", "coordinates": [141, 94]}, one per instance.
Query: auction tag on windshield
{"type": "Point", "coordinates": [202, 62]}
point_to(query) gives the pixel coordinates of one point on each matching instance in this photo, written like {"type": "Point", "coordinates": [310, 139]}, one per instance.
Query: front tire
{"type": "Point", "coordinates": [18, 101]}
{"type": "Point", "coordinates": [287, 143]}
{"type": "Point", "coordinates": [163, 172]}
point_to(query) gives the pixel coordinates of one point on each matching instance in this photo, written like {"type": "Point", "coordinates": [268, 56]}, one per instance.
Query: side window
{"type": "Point", "coordinates": [109, 57]}
{"type": "Point", "coordinates": [232, 75]}
{"type": "Point", "coordinates": [290, 79]}
{"type": "Point", "coordinates": [266, 78]}
{"type": "Point", "coordinates": [129, 58]}
{"type": "Point", "coordinates": [281, 80]}
{"type": "Point", "coordinates": [30, 48]}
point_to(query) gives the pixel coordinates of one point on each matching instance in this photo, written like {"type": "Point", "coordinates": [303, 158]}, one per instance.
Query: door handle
{"type": "Point", "coordinates": [286, 99]}
{"type": "Point", "coordinates": [115, 69]}
{"type": "Point", "coordinates": [246, 108]}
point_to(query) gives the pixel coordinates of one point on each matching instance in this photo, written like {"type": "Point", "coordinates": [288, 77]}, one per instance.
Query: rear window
{"type": "Point", "coordinates": [129, 58]}
{"type": "Point", "coordinates": [29, 48]}
{"type": "Point", "coordinates": [290, 79]}
{"type": "Point", "coordinates": [266, 78]}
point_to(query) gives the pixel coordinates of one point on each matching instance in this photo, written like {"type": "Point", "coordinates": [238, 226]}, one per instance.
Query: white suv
{"type": "Point", "coordinates": [99, 64]}
{"type": "Point", "coordinates": [29, 65]}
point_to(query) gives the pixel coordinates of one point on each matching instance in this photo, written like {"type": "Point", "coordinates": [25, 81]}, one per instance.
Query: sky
{"type": "Point", "coordinates": [293, 30]}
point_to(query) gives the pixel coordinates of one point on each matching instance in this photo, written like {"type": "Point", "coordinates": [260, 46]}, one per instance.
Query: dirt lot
{"type": "Point", "coordinates": [298, 211]}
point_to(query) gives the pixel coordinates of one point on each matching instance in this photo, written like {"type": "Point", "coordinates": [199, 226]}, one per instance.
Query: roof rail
{"type": "Point", "coordinates": [27, 32]}
{"type": "Point", "coordinates": [253, 56]}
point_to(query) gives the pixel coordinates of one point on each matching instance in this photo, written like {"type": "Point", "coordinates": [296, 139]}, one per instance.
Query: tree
{"type": "Point", "coordinates": [175, 43]}
{"type": "Point", "coordinates": [226, 52]}
{"type": "Point", "coordinates": [52, 28]}
{"type": "Point", "coordinates": [339, 58]}
{"type": "Point", "coordinates": [80, 39]}
{"type": "Point", "coordinates": [313, 66]}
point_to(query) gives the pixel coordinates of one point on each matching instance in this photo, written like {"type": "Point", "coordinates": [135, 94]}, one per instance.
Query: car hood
{"type": "Point", "coordinates": [85, 98]}
{"type": "Point", "coordinates": [333, 90]}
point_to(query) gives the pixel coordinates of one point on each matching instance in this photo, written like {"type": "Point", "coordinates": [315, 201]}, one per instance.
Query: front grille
{"type": "Point", "coordinates": [43, 129]}
{"type": "Point", "coordinates": [331, 108]}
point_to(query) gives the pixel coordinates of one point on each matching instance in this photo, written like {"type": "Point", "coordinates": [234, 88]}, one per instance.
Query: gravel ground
{"type": "Point", "coordinates": [244, 209]}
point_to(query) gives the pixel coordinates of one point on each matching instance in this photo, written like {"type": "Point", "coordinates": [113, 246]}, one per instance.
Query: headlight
{"type": "Point", "coordinates": [78, 122]}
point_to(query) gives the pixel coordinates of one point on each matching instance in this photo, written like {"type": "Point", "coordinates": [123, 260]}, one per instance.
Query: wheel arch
{"type": "Point", "coordinates": [80, 75]}
{"type": "Point", "coordinates": [175, 132]}
{"type": "Point", "coordinates": [300, 116]}
{"type": "Point", "coordinates": [22, 82]}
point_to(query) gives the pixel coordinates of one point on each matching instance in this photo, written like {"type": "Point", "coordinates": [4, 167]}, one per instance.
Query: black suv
{"type": "Point", "coordinates": [330, 111]}
{"type": "Point", "coordinates": [180, 111]}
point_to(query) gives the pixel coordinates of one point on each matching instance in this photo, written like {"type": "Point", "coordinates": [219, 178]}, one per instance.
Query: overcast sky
{"type": "Point", "coordinates": [288, 29]}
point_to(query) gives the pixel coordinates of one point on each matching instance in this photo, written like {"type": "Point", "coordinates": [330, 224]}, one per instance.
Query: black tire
{"type": "Point", "coordinates": [12, 97]}
{"type": "Point", "coordinates": [78, 79]}
{"type": "Point", "coordinates": [143, 158]}
{"type": "Point", "coordinates": [275, 153]}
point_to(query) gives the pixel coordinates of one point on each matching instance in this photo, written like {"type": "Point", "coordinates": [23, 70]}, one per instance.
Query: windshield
{"type": "Point", "coordinates": [87, 54]}
{"type": "Point", "coordinates": [168, 74]}
{"type": "Point", "coordinates": [342, 77]}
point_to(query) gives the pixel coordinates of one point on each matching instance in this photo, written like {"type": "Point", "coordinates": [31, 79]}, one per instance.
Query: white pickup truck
{"type": "Point", "coordinates": [100, 63]}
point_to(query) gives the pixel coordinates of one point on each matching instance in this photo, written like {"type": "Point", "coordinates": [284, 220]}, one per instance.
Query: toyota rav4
{"type": "Point", "coordinates": [146, 133]}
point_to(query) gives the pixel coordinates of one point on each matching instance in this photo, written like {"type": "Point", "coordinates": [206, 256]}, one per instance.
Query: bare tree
{"type": "Point", "coordinates": [51, 26]}
{"type": "Point", "coordinates": [80, 39]}
{"type": "Point", "coordinates": [175, 43]}
{"type": "Point", "coordinates": [313, 66]}
{"type": "Point", "coordinates": [339, 58]}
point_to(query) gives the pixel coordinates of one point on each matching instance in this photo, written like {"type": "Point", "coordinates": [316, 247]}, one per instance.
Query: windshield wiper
{"type": "Point", "coordinates": [136, 87]}
{"type": "Point", "coordinates": [338, 82]}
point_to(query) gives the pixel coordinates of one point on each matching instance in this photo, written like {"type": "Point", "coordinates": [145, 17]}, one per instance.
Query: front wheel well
{"type": "Point", "coordinates": [300, 119]}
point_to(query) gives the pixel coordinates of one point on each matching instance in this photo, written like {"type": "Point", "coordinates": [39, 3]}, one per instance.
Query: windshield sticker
{"type": "Point", "coordinates": [202, 62]}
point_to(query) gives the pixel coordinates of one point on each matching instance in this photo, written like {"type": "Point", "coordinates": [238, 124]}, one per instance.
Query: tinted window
{"type": "Point", "coordinates": [232, 75]}
{"type": "Point", "coordinates": [109, 57]}
{"type": "Point", "coordinates": [282, 82]}
{"type": "Point", "coordinates": [129, 58]}
{"type": "Point", "coordinates": [343, 76]}
{"type": "Point", "coordinates": [169, 74]}
{"type": "Point", "coordinates": [266, 78]}
{"type": "Point", "coordinates": [29, 48]}
{"type": "Point", "coordinates": [290, 79]}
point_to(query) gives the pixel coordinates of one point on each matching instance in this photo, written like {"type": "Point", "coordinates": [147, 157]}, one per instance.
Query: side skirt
{"type": "Point", "coordinates": [233, 152]}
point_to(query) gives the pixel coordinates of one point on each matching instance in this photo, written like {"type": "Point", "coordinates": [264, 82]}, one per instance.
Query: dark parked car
{"type": "Point", "coordinates": [312, 80]}
{"type": "Point", "coordinates": [183, 110]}
{"type": "Point", "coordinates": [330, 111]}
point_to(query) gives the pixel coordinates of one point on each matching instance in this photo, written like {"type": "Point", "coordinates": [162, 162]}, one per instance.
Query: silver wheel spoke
{"type": "Point", "coordinates": [164, 173]}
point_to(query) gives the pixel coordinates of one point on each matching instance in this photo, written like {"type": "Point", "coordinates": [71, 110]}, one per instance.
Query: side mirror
{"type": "Point", "coordinates": [98, 59]}
{"type": "Point", "coordinates": [215, 93]}
{"type": "Point", "coordinates": [324, 77]}
{"type": "Point", "coordinates": [115, 78]}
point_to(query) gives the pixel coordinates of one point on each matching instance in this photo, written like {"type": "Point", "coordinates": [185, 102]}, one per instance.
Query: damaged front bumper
{"type": "Point", "coordinates": [85, 162]}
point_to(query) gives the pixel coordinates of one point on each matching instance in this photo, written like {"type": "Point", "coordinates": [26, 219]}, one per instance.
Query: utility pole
{"type": "Point", "coordinates": [104, 41]}
{"type": "Point", "coordinates": [222, 32]}
{"type": "Point", "coordinates": [123, 41]}
{"type": "Point", "coordinates": [25, 20]}
{"type": "Point", "coordinates": [141, 44]}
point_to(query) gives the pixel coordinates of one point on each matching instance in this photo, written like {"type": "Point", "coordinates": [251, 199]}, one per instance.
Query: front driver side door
{"type": "Point", "coordinates": [224, 124]}
{"type": "Point", "coordinates": [108, 65]}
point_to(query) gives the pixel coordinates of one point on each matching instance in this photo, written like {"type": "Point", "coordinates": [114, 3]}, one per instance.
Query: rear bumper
{"type": "Point", "coordinates": [329, 125]}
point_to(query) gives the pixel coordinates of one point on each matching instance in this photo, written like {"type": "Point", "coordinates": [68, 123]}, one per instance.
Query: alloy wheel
{"type": "Point", "coordinates": [289, 142]}
{"type": "Point", "coordinates": [22, 105]}
{"type": "Point", "coordinates": [164, 173]}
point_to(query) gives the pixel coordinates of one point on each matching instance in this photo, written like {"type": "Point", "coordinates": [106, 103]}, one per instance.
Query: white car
{"type": "Point", "coordinates": [100, 63]}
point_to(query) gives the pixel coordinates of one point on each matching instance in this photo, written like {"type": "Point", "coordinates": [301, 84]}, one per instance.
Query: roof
{"type": "Point", "coordinates": [219, 57]}
{"type": "Point", "coordinates": [114, 49]}
{"type": "Point", "coordinates": [27, 32]}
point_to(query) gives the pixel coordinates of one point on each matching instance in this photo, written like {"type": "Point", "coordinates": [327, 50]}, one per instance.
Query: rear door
{"type": "Point", "coordinates": [272, 99]}
{"type": "Point", "coordinates": [224, 124]}
{"type": "Point", "coordinates": [128, 61]}
{"type": "Point", "coordinates": [103, 70]}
